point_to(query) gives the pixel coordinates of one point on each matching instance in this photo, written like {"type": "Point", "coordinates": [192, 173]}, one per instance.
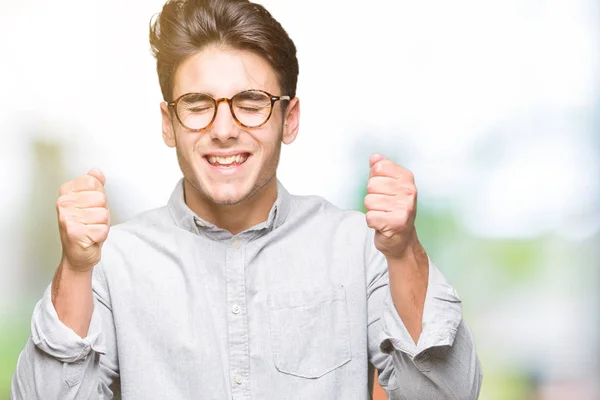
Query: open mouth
{"type": "Point", "coordinates": [227, 161]}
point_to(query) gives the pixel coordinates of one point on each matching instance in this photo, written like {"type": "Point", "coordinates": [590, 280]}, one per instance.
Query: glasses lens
{"type": "Point", "coordinates": [252, 108]}
{"type": "Point", "coordinates": [196, 110]}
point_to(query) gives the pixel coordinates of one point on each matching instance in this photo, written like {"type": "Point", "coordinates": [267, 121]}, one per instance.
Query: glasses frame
{"type": "Point", "coordinates": [229, 102]}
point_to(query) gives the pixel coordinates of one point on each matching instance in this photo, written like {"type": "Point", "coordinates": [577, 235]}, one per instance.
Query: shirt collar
{"type": "Point", "coordinates": [188, 220]}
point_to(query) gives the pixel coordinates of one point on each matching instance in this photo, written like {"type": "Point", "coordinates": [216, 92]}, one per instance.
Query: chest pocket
{"type": "Point", "coordinates": [310, 331]}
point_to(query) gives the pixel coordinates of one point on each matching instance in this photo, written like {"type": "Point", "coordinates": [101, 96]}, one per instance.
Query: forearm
{"type": "Point", "coordinates": [422, 348]}
{"type": "Point", "coordinates": [409, 276]}
{"type": "Point", "coordinates": [72, 297]}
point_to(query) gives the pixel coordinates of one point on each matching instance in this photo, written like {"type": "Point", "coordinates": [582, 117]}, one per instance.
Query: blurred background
{"type": "Point", "coordinates": [494, 105]}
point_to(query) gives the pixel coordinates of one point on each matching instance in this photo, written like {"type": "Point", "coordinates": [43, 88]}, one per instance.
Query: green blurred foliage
{"type": "Point", "coordinates": [12, 341]}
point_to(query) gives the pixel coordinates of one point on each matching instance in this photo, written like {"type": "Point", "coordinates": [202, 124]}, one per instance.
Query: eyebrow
{"type": "Point", "coordinates": [246, 94]}
{"type": "Point", "coordinates": [195, 96]}
{"type": "Point", "coordinates": [252, 95]}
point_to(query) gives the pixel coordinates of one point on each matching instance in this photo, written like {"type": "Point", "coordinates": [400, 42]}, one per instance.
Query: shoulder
{"type": "Point", "coordinates": [154, 221]}
{"type": "Point", "coordinates": [138, 235]}
{"type": "Point", "coordinates": [325, 216]}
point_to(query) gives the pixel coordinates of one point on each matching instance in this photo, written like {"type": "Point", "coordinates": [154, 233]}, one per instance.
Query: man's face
{"type": "Point", "coordinates": [205, 157]}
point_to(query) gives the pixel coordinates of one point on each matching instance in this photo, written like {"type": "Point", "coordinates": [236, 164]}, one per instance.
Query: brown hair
{"type": "Point", "coordinates": [185, 27]}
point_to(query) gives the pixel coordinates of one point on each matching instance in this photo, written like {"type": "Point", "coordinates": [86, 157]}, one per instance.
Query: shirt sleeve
{"type": "Point", "coordinates": [442, 314]}
{"type": "Point", "coordinates": [57, 363]}
{"type": "Point", "coordinates": [443, 364]}
{"type": "Point", "coordinates": [54, 338]}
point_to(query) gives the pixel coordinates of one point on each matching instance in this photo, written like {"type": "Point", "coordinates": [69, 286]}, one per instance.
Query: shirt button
{"type": "Point", "coordinates": [239, 379]}
{"type": "Point", "coordinates": [236, 244]}
{"type": "Point", "coordinates": [235, 309]}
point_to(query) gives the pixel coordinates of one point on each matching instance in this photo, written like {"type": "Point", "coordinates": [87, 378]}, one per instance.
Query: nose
{"type": "Point", "coordinates": [224, 126]}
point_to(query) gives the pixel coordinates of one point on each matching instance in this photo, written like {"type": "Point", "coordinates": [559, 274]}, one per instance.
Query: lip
{"type": "Point", "coordinates": [227, 170]}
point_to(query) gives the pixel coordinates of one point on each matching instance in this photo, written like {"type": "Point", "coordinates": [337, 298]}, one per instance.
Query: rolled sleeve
{"type": "Point", "coordinates": [442, 315]}
{"type": "Point", "coordinates": [57, 363]}
{"type": "Point", "coordinates": [53, 337]}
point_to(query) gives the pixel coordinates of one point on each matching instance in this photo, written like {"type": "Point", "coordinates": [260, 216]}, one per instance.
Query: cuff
{"type": "Point", "coordinates": [58, 340]}
{"type": "Point", "coordinates": [442, 314]}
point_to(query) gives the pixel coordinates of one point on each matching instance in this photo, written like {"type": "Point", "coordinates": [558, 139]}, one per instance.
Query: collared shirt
{"type": "Point", "coordinates": [296, 307]}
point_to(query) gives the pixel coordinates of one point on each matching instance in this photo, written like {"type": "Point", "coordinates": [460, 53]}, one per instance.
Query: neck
{"type": "Point", "coordinates": [237, 217]}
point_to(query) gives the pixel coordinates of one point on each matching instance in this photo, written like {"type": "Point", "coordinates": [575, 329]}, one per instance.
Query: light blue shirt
{"type": "Point", "coordinates": [296, 307]}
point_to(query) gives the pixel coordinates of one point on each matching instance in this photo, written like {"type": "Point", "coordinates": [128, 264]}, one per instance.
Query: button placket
{"type": "Point", "coordinates": [239, 361]}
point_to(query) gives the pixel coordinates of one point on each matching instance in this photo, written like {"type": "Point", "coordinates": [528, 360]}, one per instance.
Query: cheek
{"type": "Point", "coordinates": [188, 143]}
{"type": "Point", "coordinates": [270, 154]}
{"type": "Point", "coordinates": [269, 139]}
{"type": "Point", "coordinates": [272, 149]}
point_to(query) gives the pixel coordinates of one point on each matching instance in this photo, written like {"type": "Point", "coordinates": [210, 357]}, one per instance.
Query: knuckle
{"type": "Point", "coordinates": [62, 220]}
{"type": "Point", "coordinates": [63, 189]}
{"type": "Point", "coordinates": [103, 232]}
{"type": "Point", "coordinates": [410, 190]}
{"type": "Point", "coordinates": [412, 210]}
{"type": "Point", "coordinates": [63, 217]}
{"type": "Point", "coordinates": [377, 184]}
{"type": "Point", "coordinates": [371, 218]}
{"type": "Point", "coordinates": [62, 202]}
{"type": "Point", "coordinates": [99, 198]}
{"type": "Point", "coordinates": [102, 198]}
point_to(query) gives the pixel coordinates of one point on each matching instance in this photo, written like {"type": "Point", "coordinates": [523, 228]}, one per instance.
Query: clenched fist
{"type": "Point", "coordinates": [83, 220]}
{"type": "Point", "coordinates": [391, 204]}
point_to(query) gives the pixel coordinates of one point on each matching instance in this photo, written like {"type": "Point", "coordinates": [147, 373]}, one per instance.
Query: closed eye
{"type": "Point", "coordinates": [198, 109]}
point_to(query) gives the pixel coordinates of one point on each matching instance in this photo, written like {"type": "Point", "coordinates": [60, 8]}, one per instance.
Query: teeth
{"type": "Point", "coordinates": [238, 158]}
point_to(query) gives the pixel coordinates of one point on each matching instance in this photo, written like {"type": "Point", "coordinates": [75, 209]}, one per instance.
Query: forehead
{"type": "Point", "coordinates": [223, 72]}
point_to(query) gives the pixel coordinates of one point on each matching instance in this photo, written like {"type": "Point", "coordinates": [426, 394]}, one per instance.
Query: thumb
{"type": "Point", "coordinates": [97, 173]}
{"type": "Point", "coordinates": [375, 158]}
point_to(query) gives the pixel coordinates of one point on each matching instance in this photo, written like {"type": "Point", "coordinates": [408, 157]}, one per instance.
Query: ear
{"type": "Point", "coordinates": [291, 122]}
{"type": "Point", "coordinates": [168, 131]}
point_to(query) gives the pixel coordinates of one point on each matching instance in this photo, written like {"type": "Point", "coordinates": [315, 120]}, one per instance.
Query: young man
{"type": "Point", "coordinates": [236, 289]}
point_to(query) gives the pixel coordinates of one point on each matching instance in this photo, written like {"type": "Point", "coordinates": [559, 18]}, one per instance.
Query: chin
{"type": "Point", "coordinates": [228, 194]}
{"type": "Point", "coordinates": [227, 201]}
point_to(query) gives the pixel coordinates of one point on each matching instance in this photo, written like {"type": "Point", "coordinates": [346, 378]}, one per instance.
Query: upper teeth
{"type": "Point", "coordinates": [238, 158]}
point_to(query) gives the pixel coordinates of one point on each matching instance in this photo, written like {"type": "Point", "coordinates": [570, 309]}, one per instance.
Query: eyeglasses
{"type": "Point", "coordinates": [250, 109]}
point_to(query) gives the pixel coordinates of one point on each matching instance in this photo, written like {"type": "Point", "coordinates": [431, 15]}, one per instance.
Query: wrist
{"type": "Point", "coordinates": [75, 269]}
{"type": "Point", "coordinates": [413, 253]}
{"type": "Point", "coordinates": [68, 279]}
